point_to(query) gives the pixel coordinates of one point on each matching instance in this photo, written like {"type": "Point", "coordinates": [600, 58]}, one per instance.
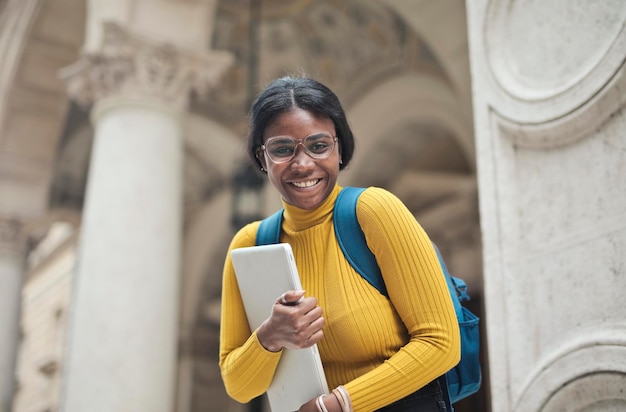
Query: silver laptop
{"type": "Point", "coordinates": [263, 274]}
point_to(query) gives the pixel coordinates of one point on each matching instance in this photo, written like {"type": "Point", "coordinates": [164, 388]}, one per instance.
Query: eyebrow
{"type": "Point", "coordinates": [313, 135]}
{"type": "Point", "coordinates": [285, 137]}
{"type": "Point", "coordinates": [318, 135]}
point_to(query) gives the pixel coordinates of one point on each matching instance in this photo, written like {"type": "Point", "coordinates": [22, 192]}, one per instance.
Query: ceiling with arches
{"type": "Point", "coordinates": [316, 38]}
{"type": "Point", "coordinates": [350, 46]}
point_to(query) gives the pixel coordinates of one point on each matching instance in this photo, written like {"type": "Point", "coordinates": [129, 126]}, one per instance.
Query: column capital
{"type": "Point", "coordinates": [129, 65]}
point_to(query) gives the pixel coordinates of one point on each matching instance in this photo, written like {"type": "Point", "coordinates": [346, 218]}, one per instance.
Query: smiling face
{"type": "Point", "coordinates": [303, 182]}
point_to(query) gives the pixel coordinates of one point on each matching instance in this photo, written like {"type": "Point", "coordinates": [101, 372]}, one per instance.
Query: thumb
{"type": "Point", "coordinates": [291, 297]}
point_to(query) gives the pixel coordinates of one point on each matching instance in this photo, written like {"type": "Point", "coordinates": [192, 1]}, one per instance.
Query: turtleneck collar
{"type": "Point", "coordinates": [300, 219]}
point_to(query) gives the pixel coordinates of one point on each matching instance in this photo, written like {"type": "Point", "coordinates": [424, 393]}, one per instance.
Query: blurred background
{"type": "Point", "coordinates": [123, 177]}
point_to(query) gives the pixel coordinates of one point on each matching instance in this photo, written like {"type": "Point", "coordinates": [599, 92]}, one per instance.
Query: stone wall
{"type": "Point", "coordinates": [549, 99]}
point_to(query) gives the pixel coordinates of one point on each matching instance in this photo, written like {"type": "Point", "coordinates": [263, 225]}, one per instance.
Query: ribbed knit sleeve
{"type": "Point", "coordinates": [247, 367]}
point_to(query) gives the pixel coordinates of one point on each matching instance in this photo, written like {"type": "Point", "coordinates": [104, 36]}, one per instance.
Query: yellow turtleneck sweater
{"type": "Point", "coordinates": [379, 349]}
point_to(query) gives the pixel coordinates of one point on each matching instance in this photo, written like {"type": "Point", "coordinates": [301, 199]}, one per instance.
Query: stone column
{"type": "Point", "coordinates": [12, 259]}
{"type": "Point", "coordinates": [549, 81]}
{"type": "Point", "coordinates": [123, 331]}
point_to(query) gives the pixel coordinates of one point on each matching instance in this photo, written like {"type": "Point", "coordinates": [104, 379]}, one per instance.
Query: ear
{"type": "Point", "coordinates": [260, 155]}
{"type": "Point", "coordinates": [340, 151]}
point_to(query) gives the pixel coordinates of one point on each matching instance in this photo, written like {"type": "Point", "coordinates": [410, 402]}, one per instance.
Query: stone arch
{"type": "Point", "coordinates": [408, 99]}
{"type": "Point", "coordinates": [45, 36]}
{"type": "Point", "coordinates": [443, 26]}
{"type": "Point", "coordinates": [420, 146]}
{"type": "Point", "coordinates": [207, 226]}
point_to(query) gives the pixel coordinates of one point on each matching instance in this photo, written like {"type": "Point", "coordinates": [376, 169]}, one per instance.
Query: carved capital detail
{"type": "Point", "coordinates": [130, 65]}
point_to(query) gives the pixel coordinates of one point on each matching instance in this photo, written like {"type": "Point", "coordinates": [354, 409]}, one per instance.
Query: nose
{"type": "Point", "coordinates": [301, 160]}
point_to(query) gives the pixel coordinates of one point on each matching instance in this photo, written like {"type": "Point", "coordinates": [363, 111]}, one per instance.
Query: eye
{"type": "Point", "coordinates": [318, 147]}
{"type": "Point", "coordinates": [280, 147]}
{"type": "Point", "coordinates": [283, 150]}
{"type": "Point", "coordinates": [319, 143]}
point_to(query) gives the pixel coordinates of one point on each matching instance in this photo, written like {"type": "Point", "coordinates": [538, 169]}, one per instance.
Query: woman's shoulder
{"type": "Point", "coordinates": [381, 207]}
{"type": "Point", "coordinates": [246, 236]}
{"type": "Point", "coordinates": [374, 196]}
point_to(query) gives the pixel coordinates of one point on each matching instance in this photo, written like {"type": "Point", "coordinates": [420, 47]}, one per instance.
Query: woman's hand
{"type": "Point", "coordinates": [295, 323]}
{"type": "Point", "coordinates": [330, 402]}
{"type": "Point", "coordinates": [310, 406]}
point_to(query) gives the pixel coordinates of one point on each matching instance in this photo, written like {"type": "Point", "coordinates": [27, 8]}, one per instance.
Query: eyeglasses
{"type": "Point", "coordinates": [281, 149]}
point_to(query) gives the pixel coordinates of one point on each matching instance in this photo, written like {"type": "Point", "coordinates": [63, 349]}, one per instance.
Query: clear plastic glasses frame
{"type": "Point", "coordinates": [282, 149]}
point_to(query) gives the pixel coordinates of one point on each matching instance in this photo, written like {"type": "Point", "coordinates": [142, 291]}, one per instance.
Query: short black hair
{"type": "Point", "coordinates": [287, 93]}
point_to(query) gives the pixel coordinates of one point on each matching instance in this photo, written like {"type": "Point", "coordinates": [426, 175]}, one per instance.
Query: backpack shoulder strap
{"type": "Point", "coordinates": [454, 285]}
{"type": "Point", "coordinates": [269, 229]}
{"type": "Point", "coordinates": [354, 246]}
{"type": "Point", "coordinates": [352, 240]}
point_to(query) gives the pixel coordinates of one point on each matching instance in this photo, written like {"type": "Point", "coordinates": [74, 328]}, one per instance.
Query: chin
{"type": "Point", "coordinates": [310, 202]}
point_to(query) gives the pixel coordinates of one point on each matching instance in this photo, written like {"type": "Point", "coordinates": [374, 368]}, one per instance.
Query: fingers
{"type": "Point", "coordinates": [296, 322]}
{"type": "Point", "coordinates": [316, 333]}
{"type": "Point", "coordinates": [308, 328]}
{"type": "Point", "coordinates": [306, 337]}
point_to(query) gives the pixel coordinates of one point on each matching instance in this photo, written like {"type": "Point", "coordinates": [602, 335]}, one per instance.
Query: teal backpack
{"type": "Point", "coordinates": [462, 380]}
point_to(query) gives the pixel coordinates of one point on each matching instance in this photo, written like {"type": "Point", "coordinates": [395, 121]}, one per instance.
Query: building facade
{"type": "Point", "coordinates": [122, 126]}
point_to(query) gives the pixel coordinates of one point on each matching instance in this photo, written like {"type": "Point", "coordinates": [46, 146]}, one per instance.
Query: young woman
{"type": "Point", "coordinates": [379, 353]}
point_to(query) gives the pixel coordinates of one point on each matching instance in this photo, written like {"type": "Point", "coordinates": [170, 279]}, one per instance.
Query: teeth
{"type": "Point", "coordinates": [305, 184]}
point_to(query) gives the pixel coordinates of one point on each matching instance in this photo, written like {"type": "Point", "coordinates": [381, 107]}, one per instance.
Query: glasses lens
{"type": "Point", "coordinates": [319, 145]}
{"type": "Point", "coordinates": [280, 148]}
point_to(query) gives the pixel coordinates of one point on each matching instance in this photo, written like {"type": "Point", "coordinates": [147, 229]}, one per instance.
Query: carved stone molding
{"type": "Point", "coordinates": [132, 66]}
{"type": "Point", "coordinates": [556, 79]}
{"type": "Point", "coordinates": [12, 239]}
{"type": "Point", "coordinates": [573, 126]}
{"type": "Point", "coordinates": [593, 361]}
